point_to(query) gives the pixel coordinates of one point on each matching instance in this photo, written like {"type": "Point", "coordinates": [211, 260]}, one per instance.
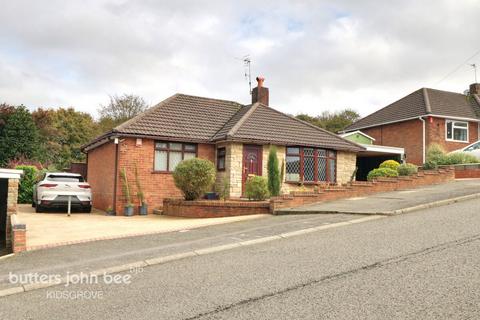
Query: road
{"type": "Point", "coordinates": [422, 265]}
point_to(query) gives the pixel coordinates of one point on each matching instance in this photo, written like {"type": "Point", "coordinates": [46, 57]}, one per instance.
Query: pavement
{"type": "Point", "coordinates": [422, 265]}
{"type": "Point", "coordinates": [390, 203]}
{"type": "Point", "coordinates": [55, 229]}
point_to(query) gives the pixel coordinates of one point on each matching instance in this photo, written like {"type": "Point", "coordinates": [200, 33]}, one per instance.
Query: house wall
{"type": "Point", "coordinates": [436, 131]}
{"type": "Point", "coordinates": [156, 186]}
{"type": "Point", "coordinates": [406, 134]}
{"type": "Point", "coordinates": [346, 164]}
{"type": "Point", "coordinates": [409, 135]}
{"type": "Point", "coordinates": [101, 174]}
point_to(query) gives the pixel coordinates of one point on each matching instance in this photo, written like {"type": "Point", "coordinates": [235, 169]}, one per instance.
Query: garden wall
{"type": "Point", "coordinates": [212, 208]}
{"type": "Point", "coordinates": [466, 171]}
{"type": "Point", "coordinates": [358, 189]}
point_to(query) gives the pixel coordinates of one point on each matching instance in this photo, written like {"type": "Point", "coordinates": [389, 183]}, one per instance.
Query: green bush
{"type": "Point", "coordinates": [391, 164]}
{"type": "Point", "coordinates": [459, 158]}
{"type": "Point", "coordinates": [194, 177]}
{"type": "Point", "coordinates": [407, 169]}
{"type": "Point", "coordinates": [273, 172]}
{"type": "Point", "coordinates": [256, 188]}
{"type": "Point", "coordinates": [435, 153]}
{"type": "Point", "coordinates": [430, 165]}
{"type": "Point", "coordinates": [27, 183]}
{"type": "Point", "coordinates": [381, 172]}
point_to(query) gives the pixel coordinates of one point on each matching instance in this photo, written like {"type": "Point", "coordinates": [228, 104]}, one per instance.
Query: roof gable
{"type": "Point", "coordinates": [263, 124]}
{"type": "Point", "coordinates": [420, 103]}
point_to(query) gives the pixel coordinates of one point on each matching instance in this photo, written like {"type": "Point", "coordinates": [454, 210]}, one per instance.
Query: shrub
{"type": "Point", "coordinates": [126, 187]}
{"type": "Point", "coordinates": [430, 165]}
{"type": "Point", "coordinates": [273, 172]}
{"type": "Point", "coordinates": [381, 172]}
{"type": "Point", "coordinates": [391, 164]}
{"type": "Point", "coordinates": [460, 158]}
{"type": "Point", "coordinates": [435, 153]}
{"type": "Point", "coordinates": [27, 183]}
{"type": "Point", "coordinates": [194, 177]}
{"type": "Point", "coordinates": [407, 169]}
{"type": "Point", "coordinates": [256, 188]}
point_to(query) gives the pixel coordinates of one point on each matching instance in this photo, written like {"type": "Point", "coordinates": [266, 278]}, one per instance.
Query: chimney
{"type": "Point", "coordinates": [260, 93]}
{"type": "Point", "coordinates": [475, 88]}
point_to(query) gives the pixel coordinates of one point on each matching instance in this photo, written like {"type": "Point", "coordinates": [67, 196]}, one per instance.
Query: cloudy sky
{"type": "Point", "coordinates": [315, 55]}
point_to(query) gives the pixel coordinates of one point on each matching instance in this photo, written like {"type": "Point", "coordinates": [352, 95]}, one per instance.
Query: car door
{"type": "Point", "coordinates": [474, 149]}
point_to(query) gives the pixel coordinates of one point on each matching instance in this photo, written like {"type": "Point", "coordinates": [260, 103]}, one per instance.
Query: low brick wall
{"type": "Point", "coordinates": [18, 234]}
{"type": "Point", "coordinates": [465, 171]}
{"type": "Point", "coordinates": [213, 208]}
{"type": "Point", "coordinates": [361, 188]}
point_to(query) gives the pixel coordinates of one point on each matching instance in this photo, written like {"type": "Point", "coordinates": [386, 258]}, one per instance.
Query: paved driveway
{"type": "Point", "coordinates": [53, 229]}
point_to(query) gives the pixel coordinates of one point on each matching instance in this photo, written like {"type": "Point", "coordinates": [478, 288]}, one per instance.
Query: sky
{"type": "Point", "coordinates": [314, 55]}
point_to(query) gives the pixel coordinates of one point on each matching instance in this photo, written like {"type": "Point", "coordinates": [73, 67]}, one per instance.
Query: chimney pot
{"type": "Point", "coordinates": [260, 93]}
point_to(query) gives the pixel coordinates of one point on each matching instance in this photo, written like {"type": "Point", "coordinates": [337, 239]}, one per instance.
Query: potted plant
{"type": "Point", "coordinates": [128, 209]}
{"type": "Point", "coordinates": [110, 211]}
{"type": "Point", "coordinates": [143, 207]}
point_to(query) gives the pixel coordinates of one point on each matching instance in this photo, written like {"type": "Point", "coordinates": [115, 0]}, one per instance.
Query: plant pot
{"type": "Point", "coordinates": [128, 211]}
{"type": "Point", "coordinates": [211, 196]}
{"type": "Point", "coordinates": [143, 209]}
{"type": "Point", "coordinates": [110, 213]}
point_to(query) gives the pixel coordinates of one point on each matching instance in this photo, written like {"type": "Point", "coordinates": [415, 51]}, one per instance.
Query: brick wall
{"type": "Point", "coordinates": [101, 174]}
{"type": "Point", "coordinates": [406, 134]}
{"type": "Point", "coordinates": [213, 209]}
{"type": "Point", "coordinates": [156, 186]}
{"type": "Point", "coordinates": [436, 134]}
{"type": "Point", "coordinates": [358, 189]}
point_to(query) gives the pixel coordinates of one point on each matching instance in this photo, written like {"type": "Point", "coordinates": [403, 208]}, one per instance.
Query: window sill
{"type": "Point", "coordinates": [309, 182]}
{"type": "Point", "coordinates": [460, 141]}
{"type": "Point", "coordinates": [161, 172]}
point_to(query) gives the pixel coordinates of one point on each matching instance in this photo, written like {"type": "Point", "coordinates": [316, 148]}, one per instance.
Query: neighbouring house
{"type": "Point", "coordinates": [373, 155]}
{"type": "Point", "coordinates": [236, 137]}
{"type": "Point", "coordinates": [424, 117]}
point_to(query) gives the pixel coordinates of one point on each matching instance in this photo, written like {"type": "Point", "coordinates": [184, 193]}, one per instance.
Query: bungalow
{"type": "Point", "coordinates": [424, 117]}
{"type": "Point", "coordinates": [236, 137]}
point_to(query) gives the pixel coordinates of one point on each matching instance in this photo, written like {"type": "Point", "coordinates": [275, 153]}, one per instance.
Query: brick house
{"type": "Point", "coordinates": [236, 137]}
{"type": "Point", "coordinates": [423, 117]}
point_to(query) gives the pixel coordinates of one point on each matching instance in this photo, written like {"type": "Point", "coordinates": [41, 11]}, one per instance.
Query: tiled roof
{"type": "Point", "coordinates": [263, 124]}
{"type": "Point", "coordinates": [182, 117]}
{"type": "Point", "coordinates": [191, 118]}
{"type": "Point", "coordinates": [420, 103]}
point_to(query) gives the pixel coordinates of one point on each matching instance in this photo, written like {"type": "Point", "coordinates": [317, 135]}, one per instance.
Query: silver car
{"type": "Point", "coordinates": [473, 149]}
{"type": "Point", "coordinates": [55, 189]}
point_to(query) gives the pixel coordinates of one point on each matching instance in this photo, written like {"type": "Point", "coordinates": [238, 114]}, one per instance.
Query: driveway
{"type": "Point", "coordinates": [54, 229]}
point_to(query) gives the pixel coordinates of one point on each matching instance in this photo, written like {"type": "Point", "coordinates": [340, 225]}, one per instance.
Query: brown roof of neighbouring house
{"type": "Point", "coordinates": [423, 102]}
{"type": "Point", "coordinates": [190, 118]}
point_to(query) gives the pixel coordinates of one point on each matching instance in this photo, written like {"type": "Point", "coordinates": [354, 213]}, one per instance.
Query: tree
{"type": "Point", "coordinates": [332, 121]}
{"type": "Point", "coordinates": [120, 109]}
{"type": "Point", "coordinates": [18, 136]}
{"type": "Point", "coordinates": [63, 132]}
{"type": "Point", "coordinates": [273, 172]}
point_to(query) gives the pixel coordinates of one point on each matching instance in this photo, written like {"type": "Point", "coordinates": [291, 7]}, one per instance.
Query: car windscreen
{"type": "Point", "coordinates": [64, 178]}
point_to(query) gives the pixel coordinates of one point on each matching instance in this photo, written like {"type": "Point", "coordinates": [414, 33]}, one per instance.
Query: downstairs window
{"type": "Point", "coordinates": [310, 165]}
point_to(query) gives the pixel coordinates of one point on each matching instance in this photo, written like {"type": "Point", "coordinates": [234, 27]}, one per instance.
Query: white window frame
{"type": "Point", "coordinates": [453, 122]}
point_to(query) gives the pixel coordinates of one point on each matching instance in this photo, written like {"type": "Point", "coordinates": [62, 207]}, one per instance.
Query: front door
{"type": "Point", "coordinates": [252, 162]}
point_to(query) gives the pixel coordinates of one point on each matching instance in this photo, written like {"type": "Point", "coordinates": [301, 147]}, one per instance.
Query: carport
{"type": "Point", "coordinates": [373, 156]}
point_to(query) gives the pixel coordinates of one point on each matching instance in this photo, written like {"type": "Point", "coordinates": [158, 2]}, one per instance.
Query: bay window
{"type": "Point", "coordinates": [221, 153]}
{"type": "Point", "coordinates": [310, 165]}
{"type": "Point", "coordinates": [169, 154]}
{"type": "Point", "coordinates": [456, 131]}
